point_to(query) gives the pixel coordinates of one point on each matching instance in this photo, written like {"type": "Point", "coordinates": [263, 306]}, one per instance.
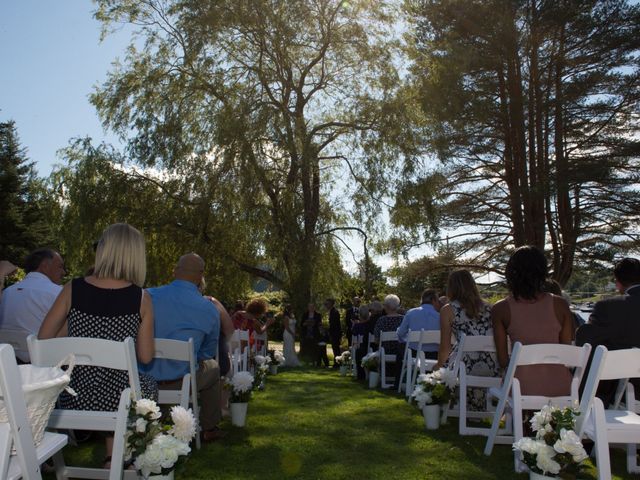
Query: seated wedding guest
{"type": "Point", "coordinates": [310, 333]}
{"type": "Point", "coordinates": [6, 268]}
{"type": "Point", "coordinates": [424, 317]}
{"type": "Point", "coordinates": [335, 329]}
{"type": "Point", "coordinates": [530, 316]}
{"type": "Point", "coordinates": [615, 322]}
{"type": "Point", "coordinates": [112, 305]}
{"type": "Point", "coordinates": [363, 326]}
{"type": "Point", "coordinates": [26, 303]}
{"type": "Point", "coordinates": [466, 313]}
{"type": "Point", "coordinates": [181, 312]}
{"type": "Point", "coordinates": [390, 322]}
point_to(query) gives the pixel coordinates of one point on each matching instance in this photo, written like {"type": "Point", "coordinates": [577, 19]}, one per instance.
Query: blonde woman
{"type": "Point", "coordinates": [108, 304]}
{"type": "Point", "coordinates": [467, 313]}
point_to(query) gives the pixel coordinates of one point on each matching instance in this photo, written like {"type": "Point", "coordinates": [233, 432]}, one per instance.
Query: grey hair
{"type": "Point", "coordinates": [392, 301]}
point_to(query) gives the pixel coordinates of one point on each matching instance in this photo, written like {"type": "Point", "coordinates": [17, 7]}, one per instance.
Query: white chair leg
{"type": "Point", "coordinates": [632, 455]}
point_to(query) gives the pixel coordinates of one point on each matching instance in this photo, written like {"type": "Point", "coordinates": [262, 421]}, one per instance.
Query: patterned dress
{"type": "Point", "coordinates": [388, 323]}
{"type": "Point", "coordinates": [483, 364]}
{"type": "Point", "coordinates": [111, 314]}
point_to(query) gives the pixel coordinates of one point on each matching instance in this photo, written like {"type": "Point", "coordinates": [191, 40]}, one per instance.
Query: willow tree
{"type": "Point", "coordinates": [534, 108]}
{"type": "Point", "coordinates": [278, 92]}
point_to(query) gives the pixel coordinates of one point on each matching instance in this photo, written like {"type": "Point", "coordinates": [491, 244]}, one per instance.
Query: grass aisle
{"type": "Point", "coordinates": [314, 424]}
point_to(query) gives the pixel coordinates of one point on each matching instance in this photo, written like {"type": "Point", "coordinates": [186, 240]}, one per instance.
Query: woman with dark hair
{"type": "Point", "coordinates": [466, 313]}
{"type": "Point", "coordinates": [249, 319]}
{"type": "Point", "coordinates": [531, 316]}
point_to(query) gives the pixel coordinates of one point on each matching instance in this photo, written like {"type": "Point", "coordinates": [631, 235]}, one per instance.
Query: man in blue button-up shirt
{"type": "Point", "coordinates": [181, 312]}
{"type": "Point", "coordinates": [426, 317]}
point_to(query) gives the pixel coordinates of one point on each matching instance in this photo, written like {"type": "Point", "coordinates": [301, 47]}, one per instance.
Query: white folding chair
{"type": "Point", "coordinates": [264, 341]}
{"type": "Point", "coordinates": [372, 342]}
{"type": "Point", "coordinates": [610, 426]}
{"type": "Point", "coordinates": [510, 393]}
{"type": "Point", "coordinates": [239, 347]}
{"type": "Point", "coordinates": [471, 344]}
{"type": "Point", "coordinates": [17, 431]}
{"type": "Point", "coordinates": [356, 342]}
{"type": "Point", "coordinates": [385, 358]}
{"type": "Point", "coordinates": [421, 364]}
{"type": "Point", "coordinates": [18, 340]}
{"type": "Point", "coordinates": [99, 353]}
{"type": "Point", "coordinates": [178, 350]}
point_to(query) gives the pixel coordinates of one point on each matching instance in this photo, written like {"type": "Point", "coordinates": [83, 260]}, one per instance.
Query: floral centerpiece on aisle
{"type": "Point", "coordinates": [276, 357]}
{"type": "Point", "coordinates": [370, 361]}
{"type": "Point", "coordinates": [156, 446]}
{"type": "Point", "coordinates": [344, 359]}
{"type": "Point", "coordinates": [434, 388]}
{"type": "Point", "coordinates": [556, 449]}
{"type": "Point", "coordinates": [240, 386]}
{"type": "Point", "coordinates": [261, 364]}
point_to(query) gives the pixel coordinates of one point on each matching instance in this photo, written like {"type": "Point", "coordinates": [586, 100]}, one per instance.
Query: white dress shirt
{"type": "Point", "coordinates": [25, 304]}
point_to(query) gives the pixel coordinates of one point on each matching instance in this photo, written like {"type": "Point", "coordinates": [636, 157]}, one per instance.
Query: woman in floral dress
{"type": "Point", "coordinates": [467, 313]}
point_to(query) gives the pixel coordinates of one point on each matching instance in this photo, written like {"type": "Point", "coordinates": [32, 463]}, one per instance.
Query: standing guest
{"type": "Point", "coordinates": [112, 305]}
{"type": "Point", "coordinates": [335, 331]}
{"type": "Point", "coordinates": [6, 268]}
{"type": "Point", "coordinates": [466, 313]}
{"type": "Point", "coordinates": [615, 322]}
{"type": "Point", "coordinates": [289, 338]}
{"type": "Point", "coordinates": [310, 332]}
{"type": "Point", "coordinates": [424, 317]}
{"type": "Point", "coordinates": [181, 312]}
{"type": "Point", "coordinates": [26, 303]}
{"type": "Point", "coordinates": [351, 317]}
{"type": "Point", "coordinates": [390, 322]}
{"type": "Point", "coordinates": [531, 316]}
{"type": "Point", "coordinates": [249, 319]}
{"type": "Point", "coordinates": [321, 352]}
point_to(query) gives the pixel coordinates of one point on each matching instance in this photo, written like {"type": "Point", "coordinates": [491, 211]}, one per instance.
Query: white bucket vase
{"type": "Point", "coordinates": [153, 476]}
{"type": "Point", "coordinates": [373, 379]}
{"type": "Point", "coordinates": [538, 476]}
{"type": "Point", "coordinates": [239, 414]}
{"type": "Point", "coordinates": [343, 370]}
{"type": "Point", "coordinates": [273, 369]}
{"type": "Point", "coordinates": [431, 415]}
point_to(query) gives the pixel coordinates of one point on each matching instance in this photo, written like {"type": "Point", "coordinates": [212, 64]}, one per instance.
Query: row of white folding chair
{"type": "Point", "coordinates": [386, 358]}
{"type": "Point", "coordinates": [239, 347]}
{"type": "Point", "coordinates": [99, 353]}
{"type": "Point", "coordinates": [264, 342]}
{"type": "Point", "coordinates": [607, 426]}
{"type": "Point", "coordinates": [16, 432]}
{"type": "Point", "coordinates": [509, 395]}
{"type": "Point", "coordinates": [182, 351]}
{"type": "Point", "coordinates": [18, 340]}
{"type": "Point", "coordinates": [411, 364]}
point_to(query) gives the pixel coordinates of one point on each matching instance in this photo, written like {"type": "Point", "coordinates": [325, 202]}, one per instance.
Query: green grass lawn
{"type": "Point", "coordinates": [314, 424]}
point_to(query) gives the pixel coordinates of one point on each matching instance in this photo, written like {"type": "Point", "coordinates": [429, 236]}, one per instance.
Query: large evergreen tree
{"type": "Point", "coordinates": [533, 108]}
{"type": "Point", "coordinates": [23, 200]}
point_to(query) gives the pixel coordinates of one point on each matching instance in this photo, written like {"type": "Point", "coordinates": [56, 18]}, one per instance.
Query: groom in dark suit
{"type": "Point", "coordinates": [615, 322]}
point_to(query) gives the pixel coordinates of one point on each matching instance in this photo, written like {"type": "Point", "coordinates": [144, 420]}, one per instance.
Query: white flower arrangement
{"type": "Point", "coordinates": [278, 357]}
{"type": "Point", "coordinates": [240, 385]}
{"type": "Point", "coordinates": [261, 360]}
{"type": "Point", "coordinates": [344, 359]}
{"type": "Point", "coordinates": [556, 448]}
{"type": "Point", "coordinates": [434, 388]}
{"type": "Point", "coordinates": [370, 361]}
{"type": "Point", "coordinates": [154, 446]}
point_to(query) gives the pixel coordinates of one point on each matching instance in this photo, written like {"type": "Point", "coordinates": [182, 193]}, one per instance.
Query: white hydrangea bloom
{"type": "Point", "coordinates": [141, 425]}
{"type": "Point", "coordinates": [145, 406]}
{"type": "Point", "coordinates": [529, 445]}
{"type": "Point", "coordinates": [571, 444]}
{"type": "Point", "coordinates": [545, 461]}
{"type": "Point", "coordinates": [242, 382]}
{"type": "Point", "coordinates": [542, 418]}
{"type": "Point", "coordinates": [184, 424]}
{"type": "Point", "coordinates": [448, 377]}
{"type": "Point", "coordinates": [260, 360]}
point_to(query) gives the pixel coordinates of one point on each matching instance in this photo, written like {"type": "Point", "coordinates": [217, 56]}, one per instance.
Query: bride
{"type": "Point", "coordinates": [289, 337]}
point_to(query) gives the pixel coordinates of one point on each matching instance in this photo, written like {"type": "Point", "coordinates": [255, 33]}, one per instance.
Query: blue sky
{"type": "Point", "coordinates": [51, 57]}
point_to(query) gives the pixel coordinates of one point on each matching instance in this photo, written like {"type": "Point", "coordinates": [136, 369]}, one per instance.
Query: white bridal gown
{"type": "Point", "coordinates": [290, 357]}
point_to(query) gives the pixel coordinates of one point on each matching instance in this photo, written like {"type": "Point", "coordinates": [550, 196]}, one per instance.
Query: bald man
{"type": "Point", "coordinates": [181, 312]}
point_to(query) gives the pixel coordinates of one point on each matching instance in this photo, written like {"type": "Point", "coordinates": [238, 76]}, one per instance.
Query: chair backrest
{"type": "Point", "coordinates": [606, 365]}
{"type": "Point", "coordinates": [18, 340]}
{"type": "Point", "coordinates": [96, 352]}
{"type": "Point", "coordinates": [17, 431]}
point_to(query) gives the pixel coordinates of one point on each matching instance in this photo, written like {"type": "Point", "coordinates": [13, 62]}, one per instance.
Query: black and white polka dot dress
{"type": "Point", "coordinates": [112, 314]}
